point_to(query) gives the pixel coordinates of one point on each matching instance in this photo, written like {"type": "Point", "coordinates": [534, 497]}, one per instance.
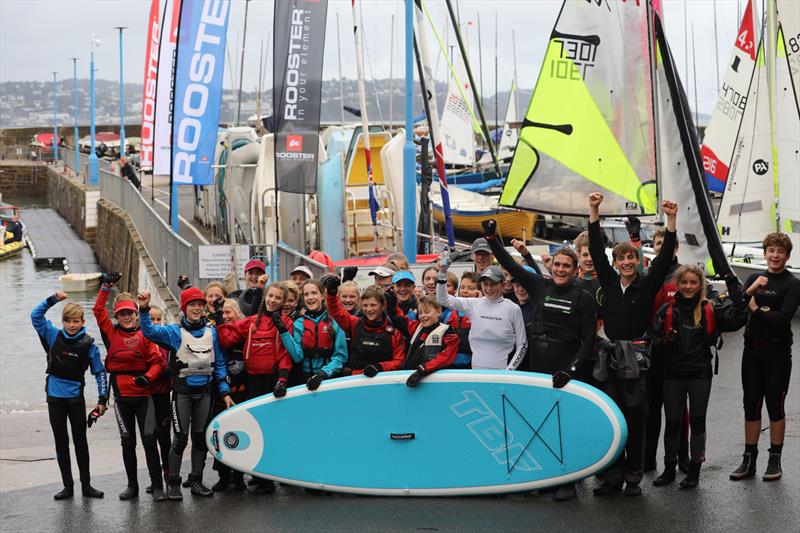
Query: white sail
{"type": "Point", "coordinates": [720, 136]}
{"type": "Point", "coordinates": [508, 141]}
{"type": "Point", "coordinates": [747, 211]}
{"type": "Point", "coordinates": [458, 141]}
{"type": "Point", "coordinates": [787, 122]}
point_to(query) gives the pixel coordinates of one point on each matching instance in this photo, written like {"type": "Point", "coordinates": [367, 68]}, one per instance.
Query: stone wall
{"type": "Point", "coordinates": [74, 202]}
{"type": "Point", "coordinates": [118, 248]}
{"type": "Point", "coordinates": [23, 179]}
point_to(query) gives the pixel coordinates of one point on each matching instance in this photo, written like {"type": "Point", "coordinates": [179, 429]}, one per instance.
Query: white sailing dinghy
{"type": "Point", "coordinates": [762, 191]}
{"type": "Point", "coordinates": [609, 113]}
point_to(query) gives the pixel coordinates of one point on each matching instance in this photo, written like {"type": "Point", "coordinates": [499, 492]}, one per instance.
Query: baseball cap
{"type": "Point", "coordinates": [403, 275]}
{"type": "Point", "coordinates": [481, 245]}
{"type": "Point", "coordinates": [126, 305]}
{"type": "Point", "coordinates": [302, 268]}
{"type": "Point", "coordinates": [381, 271]}
{"type": "Point", "coordinates": [255, 263]}
{"type": "Point", "coordinates": [493, 273]}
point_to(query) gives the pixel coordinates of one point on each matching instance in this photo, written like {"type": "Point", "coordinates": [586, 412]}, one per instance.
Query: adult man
{"type": "Point", "coordinates": [382, 276]}
{"type": "Point", "coordinates": [126, 171]}
{"type": "Point", "coordinates": [300, 275]}
{"type": "Point", "coordinates": [626, 307]}
{"type": "Point", "coordinates": [482, 255]}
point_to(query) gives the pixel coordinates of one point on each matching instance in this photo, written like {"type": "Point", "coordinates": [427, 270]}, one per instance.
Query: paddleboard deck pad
{"type": "Point", "coordinates": [459, 432]}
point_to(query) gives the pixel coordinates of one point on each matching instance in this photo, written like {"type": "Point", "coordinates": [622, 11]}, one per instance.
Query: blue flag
{"type": "Point", "coordinates": [198, 89]}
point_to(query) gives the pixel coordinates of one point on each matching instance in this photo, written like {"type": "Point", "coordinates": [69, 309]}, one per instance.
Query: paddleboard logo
{"type": "Point", "coordinates": [493, 434]}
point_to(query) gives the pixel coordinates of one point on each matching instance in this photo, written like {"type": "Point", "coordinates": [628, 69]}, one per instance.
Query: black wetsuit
{"type": "Point", "coordinates": [767, 357]}
{"type": "Point", "coordinates": [626, 315]}
{"type": "Point", "coordinates": [249, 300]}
{"type": "Point", "coordinates": [127, 172]}
{"type": "Point", "coordinates": [562, 326]}
{"type": "Point", "coordinates": [15, 229]}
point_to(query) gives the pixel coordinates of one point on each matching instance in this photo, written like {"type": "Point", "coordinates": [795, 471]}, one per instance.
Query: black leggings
{"type": "Point", "coordinates": [675, 393]}
{"type": "Point", "coordinates": [258, 385]}
{"type": "Point", "coordinates": [131, 410]}
{"type": "Point", "coordinates": [161, 404]}
{"type": "Point", "coordinates": [630, 396]}
{"type": "Point", "coordinates": [765, 379]}
{"type": "Point", "coordinates": [190, 412]}
{"type": "Point", "coordinates": [74, 410]}
{"type": "Point", "coordinates": [655, 402]}
{"type": "Point", "coordinates": [238, 397]}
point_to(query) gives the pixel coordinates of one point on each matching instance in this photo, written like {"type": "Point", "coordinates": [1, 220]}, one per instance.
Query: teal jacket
{"type": "Point", "coordinates": [294, 345]}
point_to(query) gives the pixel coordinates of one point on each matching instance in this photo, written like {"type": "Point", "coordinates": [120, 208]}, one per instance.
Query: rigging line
{"type": "Point", "coordinates": [535, 430]}
{"type": "Point", "coordinates": [369, 65]}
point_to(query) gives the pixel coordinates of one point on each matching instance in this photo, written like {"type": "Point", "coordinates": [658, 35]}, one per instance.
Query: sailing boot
{"type": "Point", "coordinates": [130, 492]}
{"type": "Point", "coordinates": [222, 484]}
{"type": "Point", "coordinates": [693, 477]}
{"type": "Point", "coordinates": [174, 489]}
{"type": "Point", "coordinates": [90, 492]}
{"type": "Point", "coordinates": [65, 493]}
{"type": "Point", "coordinates": [157, 492]}
{"type": "Point", "coordinates": [773, 471]}
{"type": "Point", "coordinates": [238, 481]}
{"type": "Point", "coordinates": [198, 489]}
{"type": "Point", "coordinates": [667, 476]}
{"type": "Point", "coordinates": [748, 467]}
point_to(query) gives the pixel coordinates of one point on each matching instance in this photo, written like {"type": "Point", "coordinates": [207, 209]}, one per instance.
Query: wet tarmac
{"type": "Point", "coordinates": [28, 479]}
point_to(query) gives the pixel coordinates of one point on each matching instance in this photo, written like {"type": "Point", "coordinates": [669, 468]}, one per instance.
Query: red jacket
{"type": "Point", "coordinates": [162, 385]}
{"type": "Point", "coordinates": [349, 323]}
{"type": "Point", "coordinates": [130, 354]}
{"type": "Point", "coordinates": [263, 350]}
{"type": "Point", "coordinates": [449, 351]}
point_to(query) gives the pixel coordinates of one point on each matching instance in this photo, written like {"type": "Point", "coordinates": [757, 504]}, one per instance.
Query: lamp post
{"type": "Point", "coordinates": [123, 149]}
{"type": "Point", "coordinates": [75, 96]}
{"type": "Point", "coordinates": [55, 118]}
{"type": "Point", "coordinates": [94, 43]}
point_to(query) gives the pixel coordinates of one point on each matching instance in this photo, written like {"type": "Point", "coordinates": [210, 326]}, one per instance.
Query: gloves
{"type": "Point", "coordinates": [110, 278]}
{"type": "Point", "coordinates": [561, 378]}
{"type": "Point", "coordinates": [634, 227]}
{"type": "Point", "coordinates": [183, 282]}
{"type": "Point", "coordinates": [92, 418]}
{"type": "Point", "coordinates": [217, 314]}
{"type": "Point", "coordinates": [414, 379]}
{"type": "Point", "coordinates": [315, 380]}
{"type": "Point", "coordinates": [277, 319]}
{"type": "Point", "coordinates": [372, 370]}
{"type": "Point", "coordinates": [391, 302]}
{"type": "Point", "coordinates": [349, 273]}
{"type": "Point", "coordinates": [346, 371]}
{"type": "Point", "coordinates": [489, 228]}
{"type": "Point", "coordinates": [235, 367]}
{"type": "Point", "coordinates": [280, 389]}
{"type": "Point", "coordinates": [331, 283]}
{"type": "Point", "coordinates": [142, 381]}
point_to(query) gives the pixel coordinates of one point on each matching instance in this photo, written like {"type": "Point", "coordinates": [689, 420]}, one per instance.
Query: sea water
{"type": "Point", "coordinates": [22, 358]}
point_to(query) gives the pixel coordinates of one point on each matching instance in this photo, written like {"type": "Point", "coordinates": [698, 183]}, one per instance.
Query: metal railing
{"type": "Point", "coordinates": [67, 155]}
{"type": "Point", "coordinates": [171, 254]}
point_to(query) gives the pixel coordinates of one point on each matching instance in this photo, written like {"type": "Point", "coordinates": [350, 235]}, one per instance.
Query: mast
{"type": "Point", "coordinates": [651, 41]}
{"type": "Point", "coordinates": [496, 102]}
{"type": "Point", "coordinates": [241, 66]}
{"type": "Point", "coordinates": [463, 50]}
{"type": "Point", "coordinates": [771, 56]}
{"type": "Point", "coordinates": [516, 80]}
{"type": "Point", "coordinates": [339, 56]}
{"type": "Point", "coordinates": [391, 73]}
{"type": "Point", "coordinates": [716, 45]}
{"type": "Point", "coordinates": [432, 111]}
{"type": "Point", "coordinates": [685, 45]}
{"type": "Point", "coordinates": [480, 62]}
{"type": "Point", "coordinates": [362, 102]}
{"type": "Point", "coordinates": [694, 74]}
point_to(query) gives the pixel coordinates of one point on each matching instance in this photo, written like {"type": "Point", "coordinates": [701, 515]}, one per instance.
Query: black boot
{"type": "Point", "coordinates": [264, 486]}
{"type": "Point", "coordinates": [65, 493]}
{"type": "Point", "coordinates": [748, 467]}
{"type": "Point", "coordinates": [666, 477]}
{"type": "Point", "coordinates": [607, 488]}
{"type": "Point", "coordinates": [129, 493]}
{"type": "Point", "coordinates": [222, 484]}
{"type": "Point", "coordinates": [90, 492]}
{"type": "Point", "coordinates": [238, 481]}
{"type": "Point", "coordinates": [565, 493]}
{"type": "Point", "coordinates": [174, 489]}
{"type": "Point", "coordinates": [157, 491]}
{"type": "Point", "coordinates": [198, 489]}
{"type": "Point", "coordinates": [632, 489]}
{"type": "Point", "coordinates": [773, 471]}
{"type": "Point", "coordinates": [693, 477]}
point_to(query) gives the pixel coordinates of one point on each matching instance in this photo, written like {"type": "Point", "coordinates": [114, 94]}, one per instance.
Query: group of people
{"type": "Point", "coordinates": [644, 334]}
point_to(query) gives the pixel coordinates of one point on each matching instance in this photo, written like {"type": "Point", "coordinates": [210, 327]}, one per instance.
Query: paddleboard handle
{"type": "Point", "coordinates": [215, 441]}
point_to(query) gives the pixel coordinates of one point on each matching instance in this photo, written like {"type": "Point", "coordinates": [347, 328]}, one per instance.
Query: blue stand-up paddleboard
{"type": "Point", "coordinates": [459, 432]}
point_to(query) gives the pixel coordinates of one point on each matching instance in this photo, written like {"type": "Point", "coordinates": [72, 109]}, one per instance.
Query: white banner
{"type": "Point", "coordinates": [215, 261]}
{"type": "Point", "coordinates": [162, 150]}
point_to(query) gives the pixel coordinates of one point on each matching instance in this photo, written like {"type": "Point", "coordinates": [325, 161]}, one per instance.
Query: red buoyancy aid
{"type": "Point", "coordinates": [665, 295]}
{"type": "Point", "coordinates": [318, 339]}
{"type": "Point", "coordinates": [127, 353]}
{"type": "Point", "coordinates": [261, 351]}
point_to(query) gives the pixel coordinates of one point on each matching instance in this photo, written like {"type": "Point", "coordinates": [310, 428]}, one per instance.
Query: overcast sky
{"type": "Point", "coordinates": [38, 37]}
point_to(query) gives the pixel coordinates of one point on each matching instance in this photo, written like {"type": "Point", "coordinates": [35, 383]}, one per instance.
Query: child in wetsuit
{"type": "Point", "coordinates": [70, 352]}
